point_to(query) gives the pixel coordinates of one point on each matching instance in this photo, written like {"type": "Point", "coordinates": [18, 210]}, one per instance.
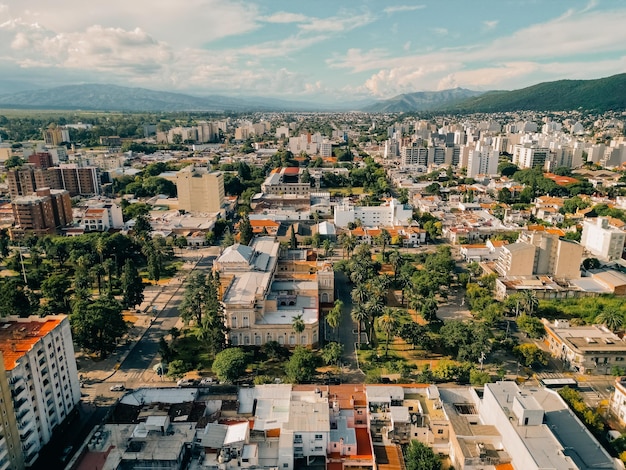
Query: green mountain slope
{"type": "Point", "coordinates": [604, 94]}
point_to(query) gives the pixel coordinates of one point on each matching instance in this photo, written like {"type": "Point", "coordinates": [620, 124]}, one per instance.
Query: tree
{"type": "Point", "coordinates": [97, 324]}
{"type": "Point", "coordinates": [297, 324]}
{"type": "Point", "coordinates": [348, 243]}
{"type": "Point", "coordinates": [301, 365]}
{"type": "Point", "coordinates": [332, 352]}
{"type": "Point", "coordinates": [533, 327]}
{"type": "Point", "coordinates": [328, 247]}
{"type": "Point", "coordinates": [415, 335]}
{"type": "Point", "coordinates": [384, 239]}
{"type": "Point", "coordinates": [55, 288]}
{"type": "Point", "coordinates": [245, 231]}
{"type": "Point", "coordinates": [530, 355]}
{"type": "Point", "coordinates": [293, 241]}
{"type": "Point", "coordinates": [530, 301]}
{"type": "Point", "coordinates": [132, 285]}
{"type": "Point", "coordinates": [16, 298]}
{"type": "Point", "coordinates": [230, 364]}
{"type": "Point", "coordinates": [333, 318]}
{"type": "Point", "coordinates": [388, 324]}
{"type": "Point", "coordinates": [418, 456]}
{"type": "Point", "coordinates": [612, 318]}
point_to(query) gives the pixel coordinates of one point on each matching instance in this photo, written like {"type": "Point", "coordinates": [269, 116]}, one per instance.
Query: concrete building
{"type": "Point", "coordinates": [99, 216]}
{"type": "Point", "coordinates": [200, 190]}
{"type": "Point", "coordinates": [41, 372]}
{"type": "Point", "coordinates": [11, 455]}
{"type": "Point", "coordinates": [617, 404]}
{"type": "Point", "coordinates": [43, 213]}
{"type": "Point", "coordinates": [483, 161]}
{"type": "Point", "coordinates": [56, 135]}
{"type": "Point", "coordinates": [78, 181]}
{"type": "Point", "coordinates": [285, 181]}
{"type": "Point", "coordinates": [530, 156]}
{"type": "Point", "coordinates": [539, 253]}
{"type": "Point", "coordinates": [390, 213]}
{"type": "Point", "coordinates": [262, 296]}
{"type": "Point", "coordinates": [602, 240]}
{"type": "Point", "coordinates": [589, 349]}
{"type": "Point", "coordinates": [415, 155]}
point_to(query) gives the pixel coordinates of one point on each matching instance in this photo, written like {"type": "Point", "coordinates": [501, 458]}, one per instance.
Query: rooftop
{"type": "Point", "coordinates": [18, 336]}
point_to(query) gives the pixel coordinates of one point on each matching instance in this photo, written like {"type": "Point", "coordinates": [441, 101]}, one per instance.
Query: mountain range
{"type": "Point", "coordinates": [598, 95]}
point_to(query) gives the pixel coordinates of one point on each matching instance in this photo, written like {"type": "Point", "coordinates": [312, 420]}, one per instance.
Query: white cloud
{"type": "Point", "coordinates": [514, 60]}
{"type": "Point", "coordinates": [407, 46]}
{"type": "Point", "coordinates": [285, 17]}
{"type": "Point", "coordinates": [402, 8]}
{"type": "Point", "coordinates": [337, 23]}
{"type": "Point", "coordinates": [440, 31]}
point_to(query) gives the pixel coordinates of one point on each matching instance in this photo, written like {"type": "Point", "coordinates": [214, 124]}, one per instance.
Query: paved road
{"type": "Point", "coordinates": [345, 333]}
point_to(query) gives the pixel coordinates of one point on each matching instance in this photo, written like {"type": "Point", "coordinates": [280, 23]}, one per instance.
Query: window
{"type": "Point", "coordinates": [439, 431]}
{"type": "Point", "coordinates": [245, 322]}
{"type": "Point", "coordinates": [233, 321]}
{"type": "Point", "coordinates": [319, 437]}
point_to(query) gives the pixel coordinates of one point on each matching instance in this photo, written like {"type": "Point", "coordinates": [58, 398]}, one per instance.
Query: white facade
{"type": "Point", "coordinates": [41, 370]}
{"type": "Point", "coordinates": [602, 240]}
{"type": "Point", "coordinates": [528, 156]}
{"type": "Point", "coordinates": [482, 162]}
{"type": "Point", "coordinates": [389, 214]}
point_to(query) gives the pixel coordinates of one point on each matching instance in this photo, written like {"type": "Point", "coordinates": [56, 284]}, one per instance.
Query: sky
{"type": "Point", "coordinates": [324, 50]}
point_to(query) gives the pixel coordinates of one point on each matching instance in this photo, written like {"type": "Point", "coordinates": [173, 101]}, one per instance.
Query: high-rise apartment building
{"type": "Point", "coordinates": [56, 135]}
{"type": "Point", "coordinates": [200, 190]}
{"type": "Point", "coordinates": [11, 456]}
{"type": "Point", "coordinates": [602, 239]}
{"type": "Point", "coordinates": [530, 156]}
{"type": "Point", "coordinates": [78, 181]}
{"type": "Point", "coordinates": [42, 213]}
{"type": "Point", "coordinates": [40, 371]}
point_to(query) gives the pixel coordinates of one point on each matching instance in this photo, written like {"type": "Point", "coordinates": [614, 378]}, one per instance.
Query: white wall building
{"type": "Point", "coordinates": [41, 371]}
{"type": "Point", "coordinates": [602, 239]}
{"type": "Point", "coordinates": [483, 161]}
{"type": "Point", "coordinates": [390, 213]}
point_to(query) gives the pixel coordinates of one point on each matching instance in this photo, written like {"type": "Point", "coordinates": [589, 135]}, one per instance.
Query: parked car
{"type": "Point", "coordinates": [186, 383]}
{"type": "Point", "coordinates": [117, 388]}
{"type": "Point", "coordinates": [67, 452]}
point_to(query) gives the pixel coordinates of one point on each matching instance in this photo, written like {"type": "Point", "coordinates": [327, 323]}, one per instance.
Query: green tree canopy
{"type": "Point", "coordinates": [98, 324]}
{"type": "Point", "coordinates": [230, 364]}
{"type": "Point", "coordinates": [301, 365]}
{"type": "Point", "coordinates": [418, 456]}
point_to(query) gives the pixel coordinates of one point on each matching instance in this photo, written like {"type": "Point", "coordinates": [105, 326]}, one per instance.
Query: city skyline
{"type": "Point", "coordinates": [309, 51]}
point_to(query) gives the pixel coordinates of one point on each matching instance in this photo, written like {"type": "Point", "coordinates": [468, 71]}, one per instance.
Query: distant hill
{"type": "Point", "coordinates": [421, 101]}
{"type": "Point", "coordinates": [603, 94]}
{"type": "Point", "coordinates": [119, 98]}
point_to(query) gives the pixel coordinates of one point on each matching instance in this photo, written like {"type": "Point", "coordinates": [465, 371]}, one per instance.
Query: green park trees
{"type": "Point", "coordinates": [230, 364]}
{"type": "Point", "coordinates": [418, 456]}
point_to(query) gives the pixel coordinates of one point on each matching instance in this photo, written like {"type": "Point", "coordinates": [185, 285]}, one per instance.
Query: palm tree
{"type": "Point", "coordinates": [530, 301]}
{"type": "Point", "coordinates": [359, 315]}
{"type": "Point", "coordinates": [333, 318]}
{"type": "Point", "coordinates": [384, 239]}
{"type": "Point", "coordinates": [396, 260]}
{"type": "Point", "coordinates": [100, 246]}
{"type": "Point", "coordinates": [348, 242]}
{"type": "Point", "coordinates": [297, 324]}
{"type": "Point", "coordinates": [387, 323]}
{"type": "Point", "coordinates": [612, 318]}
{"type": "Point", "coordinates": [360, 293]}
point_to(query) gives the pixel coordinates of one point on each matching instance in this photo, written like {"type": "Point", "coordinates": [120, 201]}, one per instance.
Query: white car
{"type": "Point", "coordinates": [117, 388]}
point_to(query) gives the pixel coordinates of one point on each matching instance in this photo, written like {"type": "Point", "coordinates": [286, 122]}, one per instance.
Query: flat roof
{"type": "Point", "coordinates": [588, 337]}
{"type": "Point", "coordinates": [18, 336]}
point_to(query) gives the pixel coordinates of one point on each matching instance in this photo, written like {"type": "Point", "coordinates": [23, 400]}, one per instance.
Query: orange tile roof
{"type": "Point", "coordinates": [18, 338]}
{"type": "Point", "coordinates": [263, 223]}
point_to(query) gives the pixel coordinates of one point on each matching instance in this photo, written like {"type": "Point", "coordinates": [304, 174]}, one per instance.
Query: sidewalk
{"type": "Point", "coordinates": [156, 298]}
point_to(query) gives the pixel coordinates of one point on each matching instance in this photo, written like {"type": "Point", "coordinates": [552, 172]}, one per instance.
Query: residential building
{"type": "Point", "coordinates": [483, 161]}
{"type": "Point", "coordinates": [530, 156]}
{"type": "Point", "coordinates": [42, 213]}
{"type": "Point", "coordinates": [262, 296]}
{"type": "Point", "coordinates": [588, 349]}
{"type": "Point", "coordinates": [200, 190]}
{"type": "Point", "coordinates": [11, 454]}
{"type": "Point", "coordinates": [617, 404]}
{"type": "Point", "coordinates": [534, 429]}
{"type": "Point", "coordinates": [41, 160]}
{"type": "Point", "coordinates": [56, 135]}
{"type": "Point", "coordinates": [390, 213]}
{"type": "Point", "coordinates": [41, 372]}
{"type": "Point", "coordinates": [602, 240]}
{"type": "Point", "coordinates": [78, 181]}
{"type": "Point", "coordinates": [415, 155]}
{"type": "Point", "coordinates": [541, 252]}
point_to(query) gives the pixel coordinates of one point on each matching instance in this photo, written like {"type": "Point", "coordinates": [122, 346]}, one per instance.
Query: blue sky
{"type": "Point", "coordinates": [309, 50]}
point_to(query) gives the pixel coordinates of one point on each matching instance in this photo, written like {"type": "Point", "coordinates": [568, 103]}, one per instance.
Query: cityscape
{"type": "Point", "coordinates": [312, 236]}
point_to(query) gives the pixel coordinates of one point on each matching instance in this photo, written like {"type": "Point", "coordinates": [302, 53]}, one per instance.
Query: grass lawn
{"type": "Point", "coordinates": [193, 352]}
{"type": "Point", "coordinates": [344, 191]}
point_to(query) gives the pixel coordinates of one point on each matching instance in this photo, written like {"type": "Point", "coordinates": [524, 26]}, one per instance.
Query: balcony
{"type": "Point", "coordinates": [16, 392]}
{"type": "Point", "coordinates": [25, 436]}
{"type": "Point", "coordinates": [18, 404]}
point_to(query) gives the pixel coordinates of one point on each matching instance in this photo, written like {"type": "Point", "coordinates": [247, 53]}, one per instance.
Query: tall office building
{"type": "Point", "coordinates": [200, 190]}
{"type": "Point", "coordinates": [40, 371]}
{"type": "Point", "coordinates": [56, 135]}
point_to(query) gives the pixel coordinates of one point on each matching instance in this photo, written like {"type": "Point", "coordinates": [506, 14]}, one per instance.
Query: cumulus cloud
{"type": "Point", "coordinates": [337, 23]}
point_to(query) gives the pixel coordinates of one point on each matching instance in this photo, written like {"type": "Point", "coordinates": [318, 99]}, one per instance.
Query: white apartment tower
{"type": "Point", "coordinates": [41, 373]}
{"type": "Point", "coordinates": [602, 239]}
{"type": "Point", "coordinates": [483, 161]}
{"type": "Point", "coordinates": [529, 156]}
